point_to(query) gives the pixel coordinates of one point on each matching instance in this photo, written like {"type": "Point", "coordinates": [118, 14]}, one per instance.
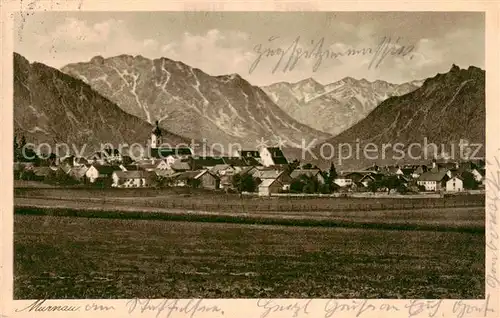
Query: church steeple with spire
{"type": "Point", "coordinates": [156, 136]}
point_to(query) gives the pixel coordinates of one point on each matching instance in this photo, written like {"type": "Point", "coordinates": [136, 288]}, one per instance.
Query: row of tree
{"type": "Point", "coordinates": [58, 177]}
{"type": "Point", "coordinates": [388, 183]}
{"type": "Point", "coordinates": [22, 153]}
{"type": "Point", "coordinates": [301, 184]}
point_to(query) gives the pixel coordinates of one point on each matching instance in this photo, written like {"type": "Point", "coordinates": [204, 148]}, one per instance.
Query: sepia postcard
{"type": "Point", "coordinates": [280, 159]}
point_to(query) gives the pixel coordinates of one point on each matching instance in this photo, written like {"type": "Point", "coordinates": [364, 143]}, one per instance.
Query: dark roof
{"type": "Point", "coordinates": [438, 169]}
{"type": "Point", "coordinates": [132, 167]}
{"type": "Point", "coordinates": [372, 176]}
{"type": "Point", "coordinates": [165, 152]}
{"type": "Point", "coordinates": [188, 175]}
{"type": "Point", "coordinates": [250, 153]}
{"type": "Point", "coordinates": [275, 152]}
{"type": "Point", "coordinates": [433, 176]}
{"type": "Point", "coordinates": [235, 161]}
{"type": "Point", "coordinates": [458, 177]}
{"type": "Point", "coordinates": [147, 165]}
{"type": "Point", "coordinates": [308, 172]}
{"type": "Point", "coordinates": [280, 160]}
{"type": "Point", "coordinates": [407, 171]}
{"type": "Point", "coordinates": [447, 165]}
{"type": "Point", "coordinates": [454, 172]}
{"type": "Point", "coordinates": [246, 170]}
{"type": "Point", "coordinates": [267, 174]}
{"type": "Point", "coordinates": [201, 162]}
{"type": "Point", "coordinates": [251, 161]}
{"type": "Point", "coordinates": [107, 169]}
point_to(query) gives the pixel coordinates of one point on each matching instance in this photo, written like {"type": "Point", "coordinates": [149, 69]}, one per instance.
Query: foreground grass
{"type": "Point", "coordinates": [73, 257]}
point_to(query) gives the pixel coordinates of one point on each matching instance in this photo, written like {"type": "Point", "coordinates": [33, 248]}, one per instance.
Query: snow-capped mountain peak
{"type": "Point", "coordinates": [336, 106]}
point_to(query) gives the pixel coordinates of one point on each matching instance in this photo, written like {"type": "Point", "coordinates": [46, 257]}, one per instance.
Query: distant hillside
{"type": "Point", "coordinates": [52, 107]}
{"type": "Point", "coordinates": [337, 106]}
{"type": "Point", "coordinates": [222, 109]}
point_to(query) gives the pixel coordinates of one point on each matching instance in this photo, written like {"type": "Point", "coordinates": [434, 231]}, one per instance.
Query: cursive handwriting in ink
{"type": "Point", "coordinates": [387, 47]}
{"type": "Point", "coordinates": [462, 309]}
{"type": "Point", "coordinates": [38, 305]}
{"type": "Point", "coordinates": [492, 181]}
{"type": "Point", "coordinates": [268, 52]}
{"type": "Point", "coordinates": [416, 307]}
{"type": "Point", "coordinates": [357, 306]}
{"type": "Point", "coordinates": [169, 306]}
{"type": "Point", "coordinates": [95, 307]}
{"type": "Point", "coordinates": [272, 306]}
{"type": "Point", "coordinates": [288, 57]}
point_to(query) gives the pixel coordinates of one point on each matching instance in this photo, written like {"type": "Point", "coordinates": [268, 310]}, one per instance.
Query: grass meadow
{"type": "Point", "coordinates": [80, 257]}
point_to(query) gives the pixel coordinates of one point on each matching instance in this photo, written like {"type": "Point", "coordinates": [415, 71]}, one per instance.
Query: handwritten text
{"type": "Point", "coordinates": [169, 306]}
{"type": "Point", "coordinates": [289, 57]}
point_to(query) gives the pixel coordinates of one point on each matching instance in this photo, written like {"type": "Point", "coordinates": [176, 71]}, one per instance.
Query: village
{"type": "Point", "coordinates": [263, 172]}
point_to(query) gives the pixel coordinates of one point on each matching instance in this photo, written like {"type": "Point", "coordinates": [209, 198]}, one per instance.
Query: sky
{"type": "Point", "coordinates": [264, 47]}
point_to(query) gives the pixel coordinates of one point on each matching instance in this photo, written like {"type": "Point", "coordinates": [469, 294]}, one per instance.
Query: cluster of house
{"type": "Point", "coordinates": [179, 165]}
{"type": "Point", "coordinates": [434, 177]}
{"type": "Point", "coordinates": [268, 165]}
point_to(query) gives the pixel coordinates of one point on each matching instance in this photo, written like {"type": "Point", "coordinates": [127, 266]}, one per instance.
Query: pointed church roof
{"type": "Point", "coordinates": [157, 130]}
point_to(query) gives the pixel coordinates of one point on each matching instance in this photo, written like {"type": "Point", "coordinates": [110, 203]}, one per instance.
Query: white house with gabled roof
{"type": "Point", "coordinates": [455, 184]}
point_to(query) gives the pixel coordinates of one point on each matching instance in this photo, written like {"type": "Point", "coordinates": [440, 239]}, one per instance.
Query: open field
{"type": "Point", "coordinates": [74, 257]}
{"type": "Point", "coordinates": [197, 199]}
{"type": "Point", "coordinates": [120, 243]}
{"type": "Point", "coordinates": [464, 219]}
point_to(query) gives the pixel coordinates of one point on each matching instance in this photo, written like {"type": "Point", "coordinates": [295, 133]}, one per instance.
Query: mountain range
{"type": "Point", "coordinates": [116, 100]}
{"type": "Point", "coordinates": [334, 107]}
{"type": "Point", "coordinates": [53, 107]}
{"type": "Point", "coordinates": [185, 100]}
{"type": "Point", "coordinates": [447, 110]}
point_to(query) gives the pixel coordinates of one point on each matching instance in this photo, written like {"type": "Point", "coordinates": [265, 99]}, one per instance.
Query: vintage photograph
{"type": "Point", "coordinates": [249, 155]}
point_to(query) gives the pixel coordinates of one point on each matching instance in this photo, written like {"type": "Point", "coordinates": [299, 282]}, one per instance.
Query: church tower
{"type": "Point", "coordinates": [156, 137]}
